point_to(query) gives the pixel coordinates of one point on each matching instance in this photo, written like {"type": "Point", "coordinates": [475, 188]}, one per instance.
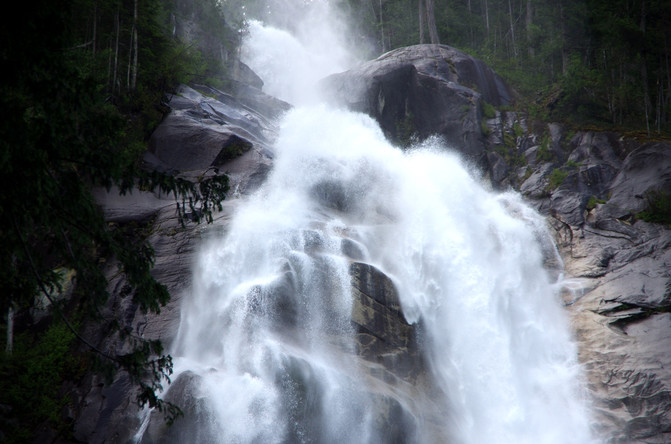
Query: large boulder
{"type": "Point", "coordinates": [421, 91]}
{"type": "Point", "coordinates": [196, 425]}
{"type": "Point", "coordinates": [209, 131]}
{"type": "Point", "coordinates": [645, 170]}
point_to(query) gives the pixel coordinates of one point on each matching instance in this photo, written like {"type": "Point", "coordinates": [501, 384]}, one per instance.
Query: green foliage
{"type": "Point", "coordinates": [235, 148]}
{"type": "Point", "coordinates": [557, 177]}
{"type": "Point", "coordinates": [509, 139]}
{"type": "Point", "coordinates": [486, 131]}
{"type": "Point", "coordinates": [30, 382]}
{"type": "Point", "coordinates": [488, 110]}
{"type": "Point", "coordinates": [592, 202]}
{"type": "Point", "coordinates": [512, 157]}
{"type": "Point", "coordinates": [658, 207]}
{"type": "Point", "coordinates": [594, 62]}
{"type": "Point", "coordinates": [581, 93]}
{"type": "Point", "coordinates": [406, 130]}
{"type": "Point", "coordinates": [70, 124]}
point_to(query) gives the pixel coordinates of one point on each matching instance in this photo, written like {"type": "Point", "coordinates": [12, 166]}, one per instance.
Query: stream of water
{"type": "Point", "coordinates": [266, 332]}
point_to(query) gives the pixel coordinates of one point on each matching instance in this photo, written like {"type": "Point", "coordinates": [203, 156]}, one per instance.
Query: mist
{"type": "Point", "coordinates": [295, 45]}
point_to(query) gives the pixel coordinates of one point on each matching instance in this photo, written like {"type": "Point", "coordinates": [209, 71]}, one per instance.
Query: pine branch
{"type": "Point", "coordinates": [43, 289]}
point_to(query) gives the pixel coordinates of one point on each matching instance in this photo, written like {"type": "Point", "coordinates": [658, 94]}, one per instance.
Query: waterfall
{"type": "Point", "coordinates": [267, 348]}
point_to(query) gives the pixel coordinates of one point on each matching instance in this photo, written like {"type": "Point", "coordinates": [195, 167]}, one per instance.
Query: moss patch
{"type": "Point", "coordinates": [557, 177]}
{"type": "Point", "coordinates": [658, 207]}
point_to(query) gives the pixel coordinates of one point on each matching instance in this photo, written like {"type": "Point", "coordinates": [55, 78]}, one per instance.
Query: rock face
{"type": "Point", "coordinates": [383, 334]}
{"type": "Point", "coordinates": [590, 185]}
{"type": "Point", "coordinates": [200, 136]}
{"type": "Point", "coordinates": [203, 134]}
{"type": "Point", "coordinates": [387, 353]}
{"type": "Point", "coordinates": [622, 300]}
{"type": "Point", "coordinates": [421, 91]}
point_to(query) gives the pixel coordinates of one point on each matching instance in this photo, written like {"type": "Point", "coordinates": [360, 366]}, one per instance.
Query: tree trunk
{"type": "Point", "coordinates": [9, 347]}
{"type": "Point", "coordinates": [667, 101]}
{"type": "Point", "coordinates": [431, 21]}
{"type": "Point", "coordinates": [421, 21]}
{"type": "Point", "coordinates": [117, 27]}
{"type": "Point", "coordinates": [486, 8]}
{"type": "Point", "coordinates": [109, 64]}
{"type": "Point", "coordinates": [529, 25]}
{"type": "Point", "coordinates": [563, 43]}
{"type": "Point", "coordinates": [644, 72]}
{"type": "Point", "coordinates": [95, 26]}
{"type": "Point", "coordinates": [512, 29]}
{"type": "Point", "coordinates": [646, 96]}
{"type": "Point", "coordinates": [130, 60]}
{"type": "Point", "coordinates": [382, 36]}
{"type": "Point", "coordinates": [471, 34]}
{"type": "Point", "coordinates": [660, 100]}
{"type": "Point", "coordinates": [133, 82]}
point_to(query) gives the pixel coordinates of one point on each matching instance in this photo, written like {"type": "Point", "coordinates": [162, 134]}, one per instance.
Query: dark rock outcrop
{"type": "Point", "coordinates": [646, 169]}
{"type": "Point", "coordinates": [422, 91]}
{"type": "Point", "coordinates": [195, 426]}
{"type": "Point", "coordinates": [201, 134]}
{"type": "Point", "coordinates": [383, 335]}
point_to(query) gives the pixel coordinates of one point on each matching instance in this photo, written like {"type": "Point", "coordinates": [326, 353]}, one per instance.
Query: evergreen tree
{"type": "Point", "coordinates": [587, 61]}
{"type": "Point", "coordinates": [70, 122]}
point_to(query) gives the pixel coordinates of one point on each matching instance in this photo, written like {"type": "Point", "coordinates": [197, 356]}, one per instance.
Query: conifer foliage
{"type": "Point", "coordinates": [82, 91]}
{"type": "Point", "coordinates": [594, 62]}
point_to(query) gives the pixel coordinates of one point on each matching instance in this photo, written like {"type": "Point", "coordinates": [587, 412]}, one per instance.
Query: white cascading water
{"type": "Point", "coordinates": [267, 328]}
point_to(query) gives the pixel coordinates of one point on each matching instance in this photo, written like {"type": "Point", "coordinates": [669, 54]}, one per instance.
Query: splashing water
{"type": "Point", "coordinates": [267, 337]}
{"type": "Point", "coordinates": [291, 64]}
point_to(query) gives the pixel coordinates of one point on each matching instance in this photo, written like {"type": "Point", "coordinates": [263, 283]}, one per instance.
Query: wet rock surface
{"type": "Point", "coordinates": [383, 335]}
{"type": "Point", "coordinates": [591, 185]}
{"type": "Point", "coordinates": [212, 132]}
{"type": "Point", "coordinates": [200, 136]}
